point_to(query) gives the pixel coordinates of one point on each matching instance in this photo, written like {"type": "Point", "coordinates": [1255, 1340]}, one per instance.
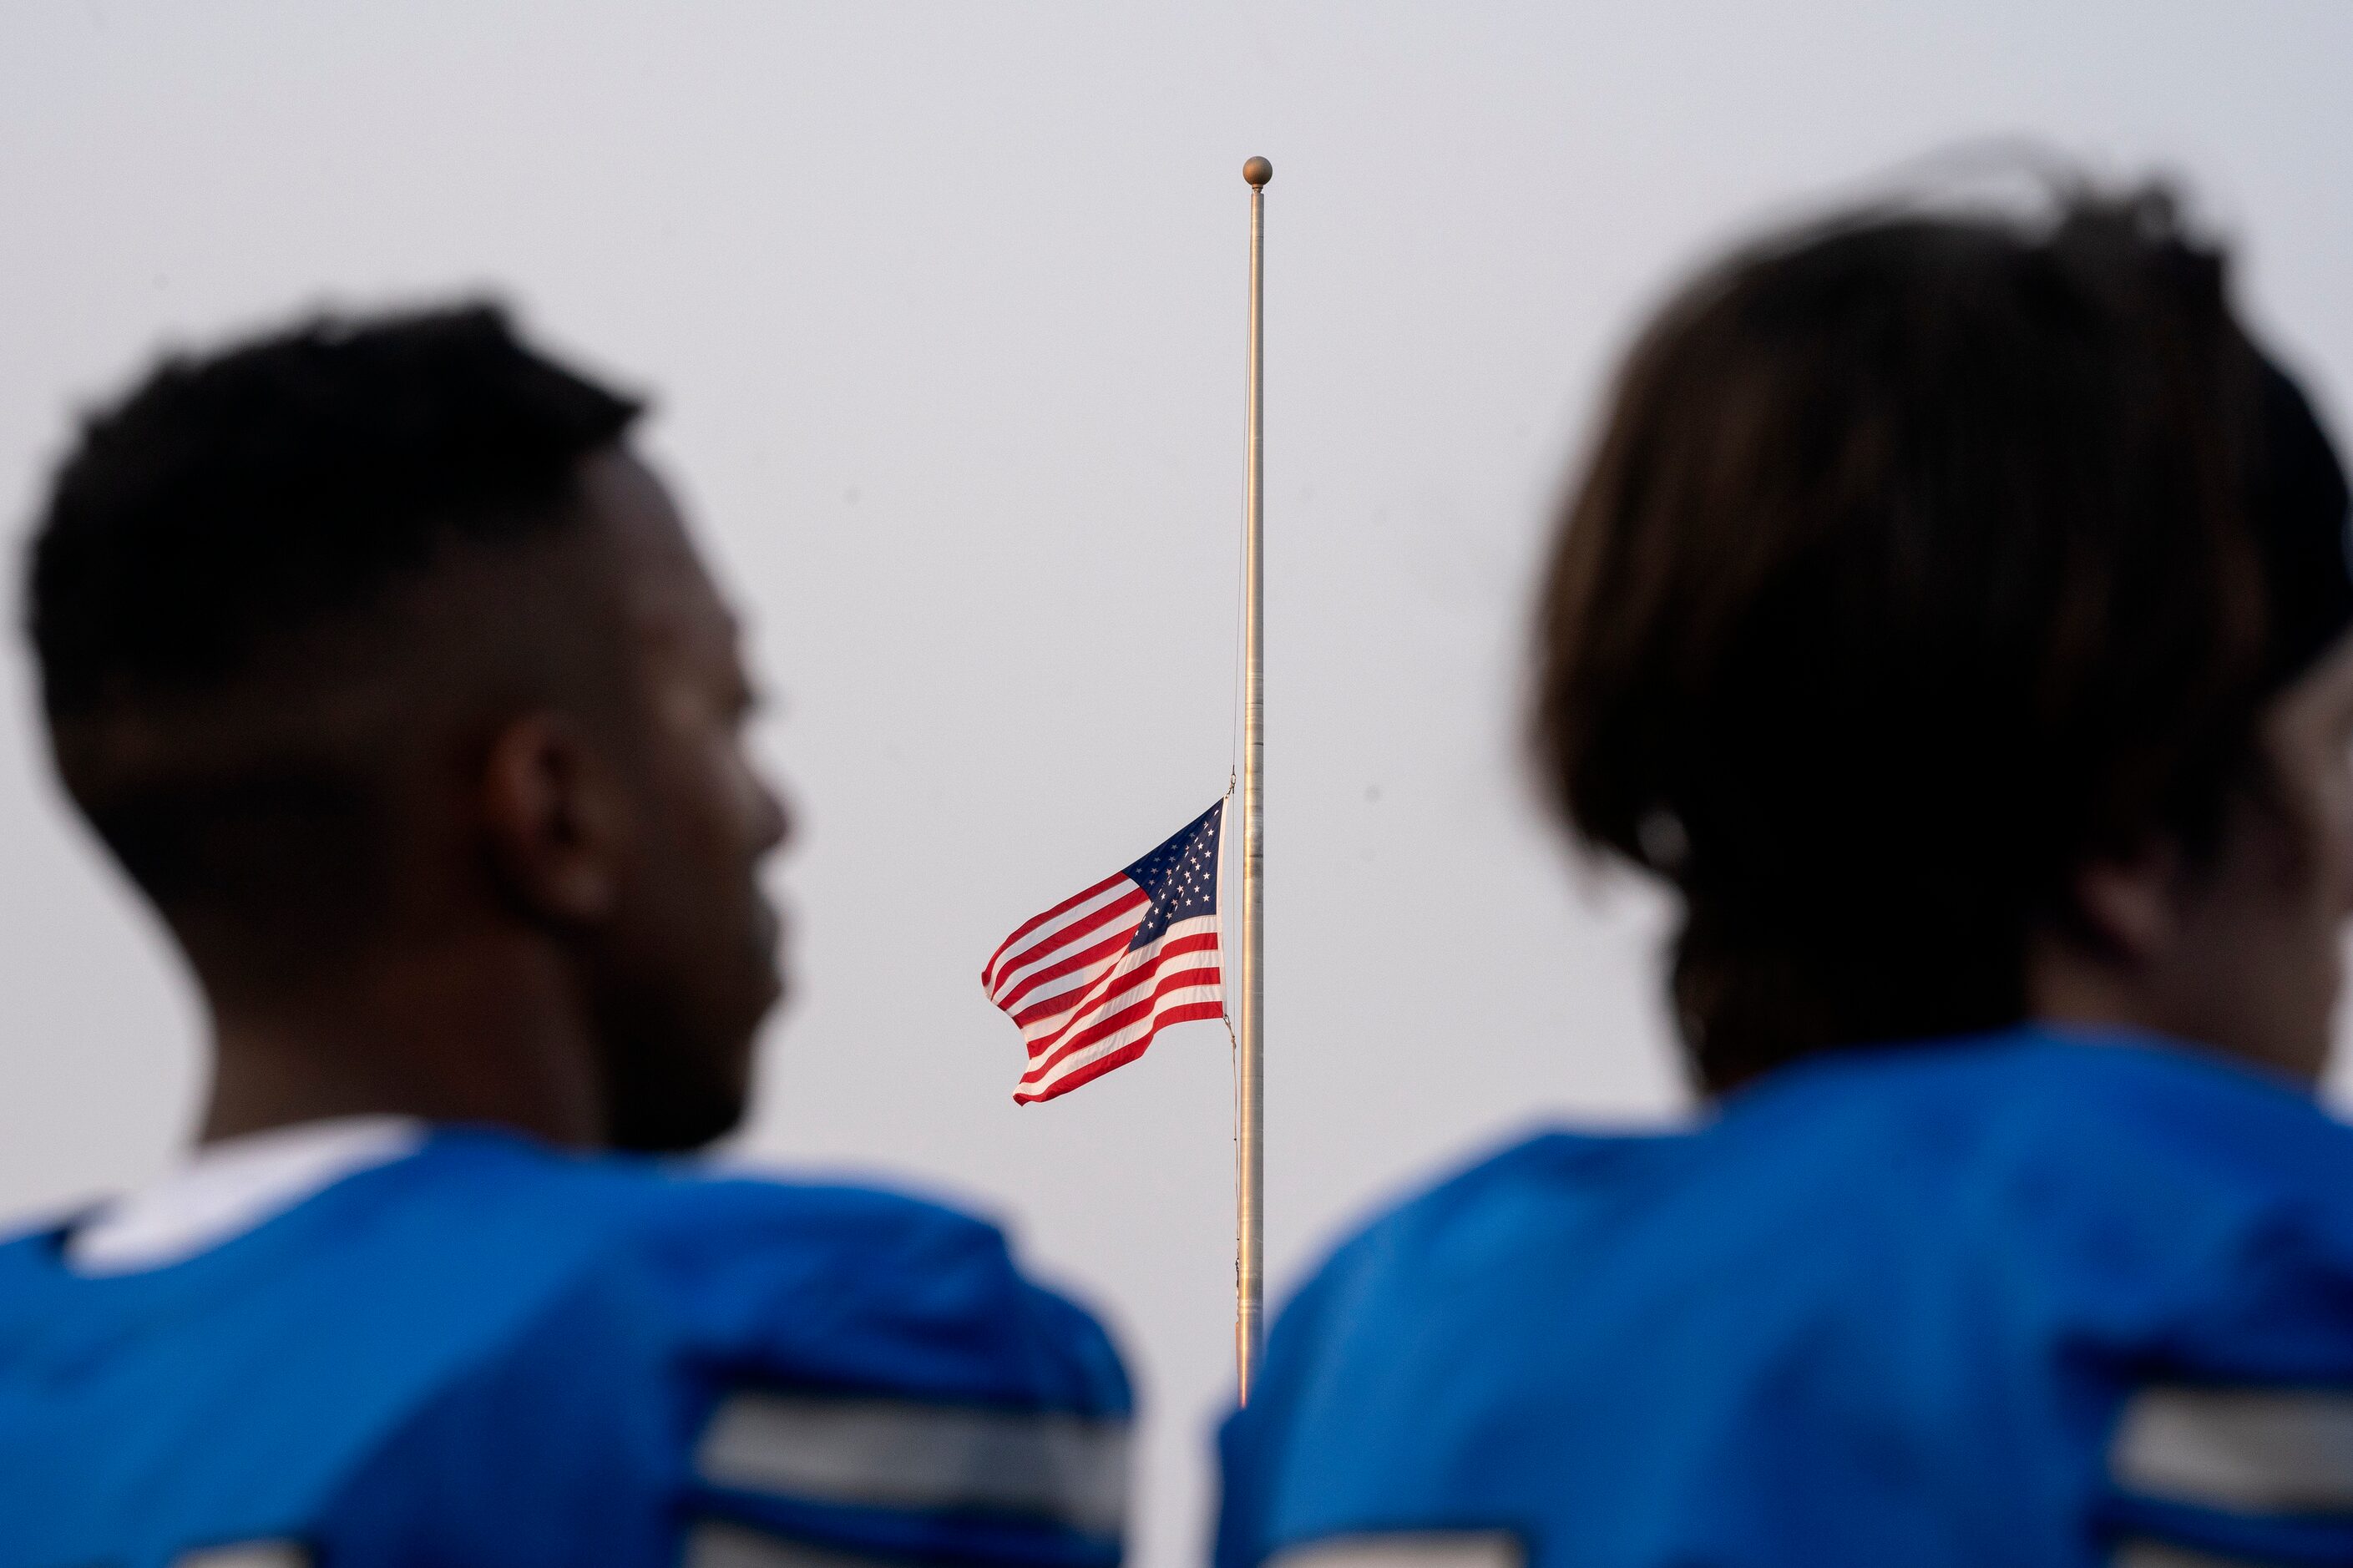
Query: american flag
{"type": "Point", "coordinates": [1092, 979]}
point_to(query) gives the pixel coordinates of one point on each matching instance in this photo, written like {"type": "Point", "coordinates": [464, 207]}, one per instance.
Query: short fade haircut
{"type": "Point", "coordinates": [211, 526]}
{"type": "Point", "coordinates": [1914, 568]}
{"type": "Point", "coordinates": [232, 500]}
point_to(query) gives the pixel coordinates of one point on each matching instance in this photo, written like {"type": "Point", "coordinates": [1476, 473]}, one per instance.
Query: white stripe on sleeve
{"type": "Point", "coordinates": [246, 1554]}
{"type": "Point", "coordinates": [880, 1453]}
{"type": "Point", "coordinates": [2252, 1450]}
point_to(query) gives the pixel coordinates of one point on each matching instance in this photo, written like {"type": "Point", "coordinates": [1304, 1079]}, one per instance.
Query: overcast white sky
{"type": "Point", "coordinates": [942, 308]}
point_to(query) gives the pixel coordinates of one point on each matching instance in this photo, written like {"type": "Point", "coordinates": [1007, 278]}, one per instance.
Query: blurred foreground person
{"type": "Point", "coordinates": [393, 679]}
{"type": "Point", "coordinates": [1953, 614]}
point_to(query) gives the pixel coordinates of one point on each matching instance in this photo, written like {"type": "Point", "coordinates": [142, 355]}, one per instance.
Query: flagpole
{"type": "Point", "coordinates": [1249, 1130]}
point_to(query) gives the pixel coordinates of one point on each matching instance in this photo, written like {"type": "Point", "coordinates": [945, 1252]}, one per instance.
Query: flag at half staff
{"type": "Point", "coordinates": [1091, 980]}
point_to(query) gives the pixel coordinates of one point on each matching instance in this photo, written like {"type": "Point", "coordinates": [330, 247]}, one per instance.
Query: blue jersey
{"type": "Point", "coordinates": [2028, 1301]}
{"type": "Point", "coordinates": [488, 1353]}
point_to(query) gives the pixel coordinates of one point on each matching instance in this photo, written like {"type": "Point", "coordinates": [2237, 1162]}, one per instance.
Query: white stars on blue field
{"type": "Point", "coordinates": [1181, 877]}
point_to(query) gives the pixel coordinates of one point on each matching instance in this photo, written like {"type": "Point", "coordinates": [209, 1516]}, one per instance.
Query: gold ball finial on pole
{"type": "Point", "coordinates": [1257, 171]}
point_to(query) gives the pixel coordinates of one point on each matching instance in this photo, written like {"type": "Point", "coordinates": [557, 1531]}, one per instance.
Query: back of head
{"type": "Point", "coordinates": [232, 659]}
{"type": "Point", "coordinates": [1915, 565]}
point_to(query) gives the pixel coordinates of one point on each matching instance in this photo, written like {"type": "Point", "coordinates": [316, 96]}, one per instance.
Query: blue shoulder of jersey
{"type": "Point", "coordinates": [2030, 1299]}
{"type": "Point", "coordinates": [849, 1370]}
{"type": "Point", "coordinates": [489, 1351]}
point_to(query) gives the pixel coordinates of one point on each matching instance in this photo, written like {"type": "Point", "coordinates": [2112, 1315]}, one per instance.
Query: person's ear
{"type": "Point", "coordinates": [555, 817]}
{"type": "Point", "coordinates": [2130, 908]}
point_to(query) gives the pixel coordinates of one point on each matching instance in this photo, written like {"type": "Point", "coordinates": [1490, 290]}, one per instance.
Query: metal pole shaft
{"type": "Point", "coordinates": [1251, 1199]}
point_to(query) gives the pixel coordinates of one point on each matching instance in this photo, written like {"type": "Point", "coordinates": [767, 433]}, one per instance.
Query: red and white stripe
{"type": "Point", "coordinates": [1084, 1002]}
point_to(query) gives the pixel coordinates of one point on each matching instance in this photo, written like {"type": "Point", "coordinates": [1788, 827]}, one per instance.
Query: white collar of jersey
{"type": "Point", "coordinates": [228, 1188]}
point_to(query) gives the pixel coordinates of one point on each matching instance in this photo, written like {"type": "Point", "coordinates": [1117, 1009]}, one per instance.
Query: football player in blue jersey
{"type": "Point", "coordinates": [1953, 614]}
{"type": "Point", "coordinates": [393, 679]}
